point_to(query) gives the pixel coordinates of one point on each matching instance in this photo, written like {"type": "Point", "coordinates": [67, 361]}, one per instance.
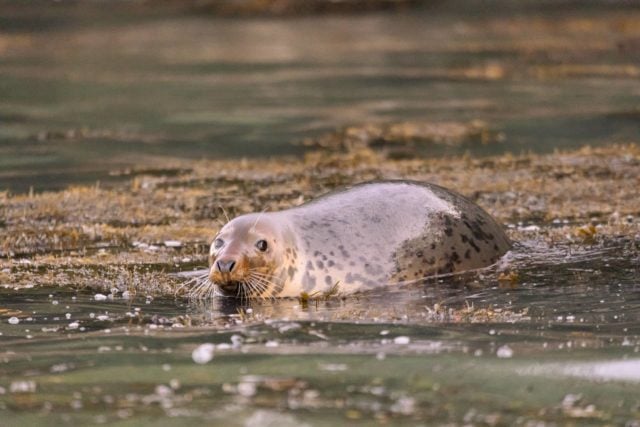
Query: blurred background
{"type": "Point", "coordinates": [90, 89]}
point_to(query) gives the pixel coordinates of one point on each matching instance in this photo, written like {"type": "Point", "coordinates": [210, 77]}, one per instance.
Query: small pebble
{"type": "Point", "coordinates": [247, 389]}
{"type": "Point", "coordinates": [22, 387]}
{"type": "Point", "coordinates": [401, 340]}
{"type": "Point", "coordinates": [504, 352]}
{"type": "Point", "coordinates": [163, 391]}
{"type": "Point", "coordinates": [203, 353]}
{"type": "Point", "coordinates": [236, 340]}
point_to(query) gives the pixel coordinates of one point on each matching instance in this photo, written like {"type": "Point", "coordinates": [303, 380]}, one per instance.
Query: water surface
{"type": "Point", "coordinates": [85, 91]}
{"type": "Point", "coordinates": [88, 90]}
{"type": "Point", "coordinates": [562, 345]}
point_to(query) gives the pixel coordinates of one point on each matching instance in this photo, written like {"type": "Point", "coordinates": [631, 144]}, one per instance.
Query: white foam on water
{"type": "Point", "coordinates": [612, 370]}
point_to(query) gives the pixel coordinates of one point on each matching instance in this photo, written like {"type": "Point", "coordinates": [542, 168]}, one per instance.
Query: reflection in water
{"type": "Point", "coordinates": [547, 279]}
{"type": "Point", "coordinates": [409, 352]}
{"type": "Point", "coordinates": [83, 95]}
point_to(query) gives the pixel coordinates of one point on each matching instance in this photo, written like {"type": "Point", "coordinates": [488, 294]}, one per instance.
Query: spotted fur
{"type": "Point", "coordinates": [369, 235]}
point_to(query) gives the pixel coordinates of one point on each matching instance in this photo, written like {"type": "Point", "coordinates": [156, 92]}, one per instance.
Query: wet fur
{"type": "Point", "coordinates": [366, 236]}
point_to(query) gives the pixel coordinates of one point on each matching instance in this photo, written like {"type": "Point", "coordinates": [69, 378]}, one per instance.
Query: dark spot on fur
{"type": "Point", "coordinates": [343, 251]}
{"type": "Point", "coordinates": [291, 271]}
{"type": "Point", "coordinates": [308, 282]}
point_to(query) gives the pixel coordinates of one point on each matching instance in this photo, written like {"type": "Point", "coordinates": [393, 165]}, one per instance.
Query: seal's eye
{"type": "Point", "coordinates": [217, 244]}
{"type": "Point", "coordinates": [261, 245]}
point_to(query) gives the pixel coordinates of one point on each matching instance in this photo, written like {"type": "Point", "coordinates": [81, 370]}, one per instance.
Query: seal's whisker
{"type": "Point", "coordinates": [263, 287]}
{"type": "Point", "coordinates": [204, 288]}
{"type": "Point", "coordinates": [248, 287]}
{"type": "Point", "coordinates": [204, 285]}
{"type": "Point", "coordinates": [246, 291]}
{"type": "Point", "coordinates": [256, 287]}
{"type": "Point", "coordinates": [267, 286]}
{"type": "Point", "coordinates": [241, 291]}
{"type": "Point", "coordinates": [259, 275]}
{"type": "Point", "coordinates": [252, 229]}
{"type": "Point", "coordinates": [200, 284]}
{"type": "Point", "coordinates": [259, 271]}
{"type": "Point", "coordinates": [197, 280]}
{"type": "Point", "coordinates": [214, 291]}
{"type": "Point", "coordinates": [224, 212]}
{"type": "Point", "coordinates": [262, 275]}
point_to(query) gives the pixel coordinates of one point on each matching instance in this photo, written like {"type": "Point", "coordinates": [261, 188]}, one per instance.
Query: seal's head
{"type": "Point", "coordinates": [246, 257]}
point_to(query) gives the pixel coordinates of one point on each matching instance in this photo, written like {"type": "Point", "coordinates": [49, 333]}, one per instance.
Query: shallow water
{"type": "Point", "coordinates": [88, 90]}
{"type": "Point", "coordinates": [561, 345]}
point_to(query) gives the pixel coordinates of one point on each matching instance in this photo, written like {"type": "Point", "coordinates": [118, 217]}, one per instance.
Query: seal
{"type": "Point", "coordinates": [366, 236]}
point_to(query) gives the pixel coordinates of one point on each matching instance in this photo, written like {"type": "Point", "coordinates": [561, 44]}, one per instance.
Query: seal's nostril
{"type": "Point", "coordinates": [226, 266]}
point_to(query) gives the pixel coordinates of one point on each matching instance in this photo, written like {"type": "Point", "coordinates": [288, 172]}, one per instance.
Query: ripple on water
{"type": "Point", "coordinates": [391, 353]}
{"type": "Point", "coordinates": [608, 370]}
